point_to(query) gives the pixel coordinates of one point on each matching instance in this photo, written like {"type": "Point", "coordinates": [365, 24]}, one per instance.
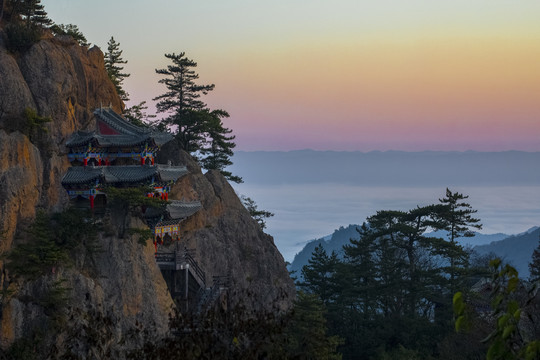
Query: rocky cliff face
{"type": "Point", "coordinates": [227, 240]}
{"type": "Point", "coordinates": [115, 300]}
{"type": "Point", "coordinates": [58, 79]}
{"type": "Point", "coordinates": [116, 294]}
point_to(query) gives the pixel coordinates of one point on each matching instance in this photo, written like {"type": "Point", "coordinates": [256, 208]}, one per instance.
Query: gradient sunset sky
{"type": "Point", "coordinates": [343, 74]}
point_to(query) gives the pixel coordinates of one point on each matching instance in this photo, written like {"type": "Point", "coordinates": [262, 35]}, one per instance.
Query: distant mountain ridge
{"type": "Point", "coordinates": [330, 243]}
{"type": "Point", "coordinates": [514, 249]}
{"type": "Point", "coordinates": [388, 168]}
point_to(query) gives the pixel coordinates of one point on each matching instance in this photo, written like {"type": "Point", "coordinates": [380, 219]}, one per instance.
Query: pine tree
{"type": "Point", "coordinates": [456, 217]}
{"type": "Point", "coordinates": [534, 265]}
{"type": "Point", "coordinates": [198, 130]}
{"type": "Point", "coordinates": [190, 127]}
{"type": "Point", "coordinates": [183, 93]}
{"type": "Point", "coordinates": [37, 14]}
{"type": "Point", "coordinates": [404, 230]}
{"type": "Point", "coordinates": [32, 12]}
{"type": "Point", "coordinates": [182, 101]}
{"type": "Point", "coordinates": [137, 114]}
{"type": "Point", "coordinates": [360, 270]}
{"type": "Point", "coordinates": [70, 30]}
{"type": "Point", "coordinates": [218, 149]}
{"type": "Point", "coordinates": [306, 333]}
{"type": "Point", "coordinates": [113, 62]}
{"type": "Point", "coordinates": [255, 213]}
{"type": "Point", "coordinates": [319, 274]}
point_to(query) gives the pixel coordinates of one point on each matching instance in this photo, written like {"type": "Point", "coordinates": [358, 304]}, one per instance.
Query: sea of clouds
{"type": "Point", "coordinates": [313, 193]}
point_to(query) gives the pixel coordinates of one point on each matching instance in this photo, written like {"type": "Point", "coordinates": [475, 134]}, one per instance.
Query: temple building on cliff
{"type": "Point", "coordinates": [165, 224]}
{"type": "Point", "coordinates": [115, 142]}
{"type": "Point", "coordinates": [117, 154]}
{"type": "Point", "coordinates": [120, 154]}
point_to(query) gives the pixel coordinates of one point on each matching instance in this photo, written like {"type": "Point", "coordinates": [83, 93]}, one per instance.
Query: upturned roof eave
{"type": "Point", "coordinates": [123, 174]}
{"type": "Point", "coordinates": [140, 135]}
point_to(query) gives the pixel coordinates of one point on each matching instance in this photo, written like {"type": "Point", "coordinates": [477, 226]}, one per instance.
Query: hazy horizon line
{"type": "Point", "coordinates": [389, 151]}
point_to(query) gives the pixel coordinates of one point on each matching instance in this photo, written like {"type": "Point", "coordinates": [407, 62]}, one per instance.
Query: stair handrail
{"type": "Point", "coordinates": [184, 256]}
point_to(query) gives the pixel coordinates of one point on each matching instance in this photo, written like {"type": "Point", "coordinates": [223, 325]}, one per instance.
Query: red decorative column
{"type": "Point", "coordinates": [142, 161]}
{"type": "Point", "coordinates": [99, 162]}
{"type": "Point", "coordinates": [152, 161]}
{"type": "Point", "coordinates": [92, 202]}
{"type": "Point", "coordinates": [85, 162]}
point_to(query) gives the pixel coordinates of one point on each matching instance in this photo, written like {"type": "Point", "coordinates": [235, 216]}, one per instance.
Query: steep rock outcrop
{"type": "Point", "coordinates": [57, 78]}
{"type": "Point", "coordinates": [21, 179]}
{"type": "Point", "coordinates": [119, 292]}
{"type": "Point", "coordinates": [117, 300]}
{"type": "Point", "coordinates": [228, 241]}
{"type": "Point", "coordinates": [66, 82]}
{"type": "Point", "coordinates": [61, 80]}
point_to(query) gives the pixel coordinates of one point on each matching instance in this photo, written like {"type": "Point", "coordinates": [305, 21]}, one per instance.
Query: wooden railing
{"type": "Point", "coordinates": [184, 257]}
{"type": "Point", "coordinates": [178, 259]}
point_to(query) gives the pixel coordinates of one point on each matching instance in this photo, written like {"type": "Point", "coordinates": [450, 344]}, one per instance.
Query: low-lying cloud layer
{"type": "Point", "coordinates": [311, 207]}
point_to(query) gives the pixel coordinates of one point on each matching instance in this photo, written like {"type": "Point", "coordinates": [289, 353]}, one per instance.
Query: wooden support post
{"type": "Point", "coordinates": [99, 162]}
{"type": "Point", "coordinates": [142, 161]}
{"type": "Point", "coordinates": [152, 161]}
{"type": "Point", "coordinates": [85, 162]}
{"type": "Point", "coordinates": [92, 202]}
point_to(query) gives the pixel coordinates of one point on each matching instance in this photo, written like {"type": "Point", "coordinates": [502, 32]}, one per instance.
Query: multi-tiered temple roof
{"type": "Point", "coordinates": [99, 152]}
{"type": "Point", "coordinates": [114, 138]}
{"type": "Point", "coordinates": [127, 174]}
{"type": "Point", "coordinates": [113, 130]}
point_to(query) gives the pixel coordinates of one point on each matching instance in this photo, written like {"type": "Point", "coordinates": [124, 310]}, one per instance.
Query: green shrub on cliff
{"type": "Point", "coordinates": [34, 124]}
{"type": "Point", "coordinates": [26, 21]}
{"type": "Point", "coordinates": [40, 255]}
{"type": "Point", "coordinates": [70, 30]}
{"type": "Point", "coordinates": [21, 37]}
{"type": "Point", "coordinates": [513, 304]}
{"type": "Point", "coordinates": [51, 238]}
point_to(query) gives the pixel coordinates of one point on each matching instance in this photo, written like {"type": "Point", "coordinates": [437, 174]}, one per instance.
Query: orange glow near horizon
{"type": "Point", "coordinates": [342, 75]}
{"type": "Point", "coordinates": [469, 90]}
